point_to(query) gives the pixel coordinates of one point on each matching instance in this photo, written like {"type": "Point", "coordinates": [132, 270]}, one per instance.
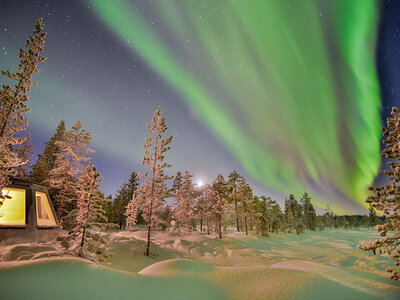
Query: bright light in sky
{"type": "Point", "coordinates": [199, 183]}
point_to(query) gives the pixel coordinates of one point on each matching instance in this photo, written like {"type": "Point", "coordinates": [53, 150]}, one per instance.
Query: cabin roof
{"type": "Point", "coordinates": [28, 184]}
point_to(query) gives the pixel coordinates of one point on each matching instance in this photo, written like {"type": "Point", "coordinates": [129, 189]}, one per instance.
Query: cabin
{"type": "Point", "coordinates": [26, 212]}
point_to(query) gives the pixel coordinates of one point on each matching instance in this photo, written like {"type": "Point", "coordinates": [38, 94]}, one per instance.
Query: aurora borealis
{"type": "Point", "coordinates": [286, 92]}
{"type": "Point", "coordinates": [297, 105]}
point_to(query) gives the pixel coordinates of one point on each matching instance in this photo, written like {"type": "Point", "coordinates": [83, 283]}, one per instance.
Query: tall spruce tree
{"type": "Point", "coordinates": [177, 182]}
{"type": "Point", "coordinates": [132, 211]}
{"type": "Point", "coordinates": [372, 217]}
{"type": "Point", "coordinates": [232, 182]}
{"type": "Point", "coordinates": [123, 197]}
{"type": "Point", "coordinates": [13, 108]}
{"type": "Point", "coordinates": [245, 195]}
{"type": "Point", "coordinates": [46, 161]}
{"type": "Point", "coordinates": [85, 239]}
{"type": "Point", "coordinates": [70, 164]}
{"type": "Point", "coordinates": [184, 210]}
{"type": "Point", "coordinates": [219, 202]}
{"type": "Point", "coordinates": [309, 212]}
{"type": "Point", "coordinates": [153, 190]}
{"type": "Point", "coordinates": [208, 206]}
{"type": "Point", "coordinates": [386, 198]}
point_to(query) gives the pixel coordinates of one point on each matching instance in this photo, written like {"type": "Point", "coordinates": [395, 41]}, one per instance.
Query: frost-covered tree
{"type": "Point", "coordinates": [184, 210]}
{"type": "Point", "coordinates": [13, 108]}
{"type": "Point", "coordinates": [386, 198]}
{"type": "Point", "coordinates": [24, 153]}
{"type": "Point", "coordinates": [201, 206]}
{"type": "Point", "coordinates": [131, 213]}
{"type": "Point", "coordinates": [232, 182]}
{"type": "Point", "coordinates": [123, 197]}
{"type": "Point", "coordinates": [85, 239]}
{"type": "Point", "coordinates": [153, 190]}
{"type": "Point", "coordinates": [245, 195]}
{"type": "Point", "coordinates": [70, 164]}
{"type": "Point", "coordinates": [177, 182]}
{"type": "Point", "coordinates": [219, 203]}
{"type": "Point", "coordinates": [206, 205]}
{"type": "Point", "coordinates": [46, 161]}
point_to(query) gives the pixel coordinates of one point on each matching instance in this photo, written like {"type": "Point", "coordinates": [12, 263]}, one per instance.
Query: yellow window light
{"type": "Point", "coordinates": [44, 214]}
{"type": "Point", "coordinates": [12, 208]}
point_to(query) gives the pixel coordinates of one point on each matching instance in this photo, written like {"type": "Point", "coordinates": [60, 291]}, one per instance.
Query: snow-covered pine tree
{"type": "Point", "coordinates": [232, 183]}
{"type": "Point", "coordinates": [177, 182]}
{"type": "Point", "coordinates": [70, 164]}
{"type": "Point", "coordinates": [154, 190]}
{"type": "Point", "coordinates": [123, 197]}
{"type": "Point", "coordinates": [13, 106]}
{"type": "Point", "coordinates": [207, 206]}
{"type": "Point", "coordinates": [131, 213]}
{"type": "Point", "coordinates": [219, 202]}
{"type": "Point", "coordinates": [245, 195]}
{"type": "Point", "coordinates": [85, 239]}
{"type": "Point", "coordinates": [387, 198]}
{"type": "Point", "coordinates": [46, 161]}
{"type": "Point", "coordinates": [24, 153]}
{"type": "Point", "coordinates": [184, 211]}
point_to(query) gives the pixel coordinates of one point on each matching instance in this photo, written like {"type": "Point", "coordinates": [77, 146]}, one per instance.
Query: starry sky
{"type": "Point", "coordinates": [292, 94]}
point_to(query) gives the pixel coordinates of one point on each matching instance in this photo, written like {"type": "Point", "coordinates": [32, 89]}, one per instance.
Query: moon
{"type": "Point", "coordinates": [199, 183]}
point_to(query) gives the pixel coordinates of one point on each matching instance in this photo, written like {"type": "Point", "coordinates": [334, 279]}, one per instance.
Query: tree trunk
{"type": "Point", "coordinates": [148, 237]}
{"type": "Point", "coordinates": [236, 210]}
{"type": "Point", "coordinates": [201, 223]}
{"type": "Point", "coordinates": [245, 215]}
{"type": "Point", "coordinates": [245, 222]}
{"type": "Point", "coordinates": [220, 226]}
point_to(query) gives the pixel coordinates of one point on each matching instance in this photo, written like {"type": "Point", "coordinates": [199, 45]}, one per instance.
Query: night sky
{"type": "Point", "coordinates": [291, 94]}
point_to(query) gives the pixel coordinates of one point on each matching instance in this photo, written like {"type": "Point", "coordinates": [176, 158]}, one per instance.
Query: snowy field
{"type": "Point", "coordinates": [316, 265]}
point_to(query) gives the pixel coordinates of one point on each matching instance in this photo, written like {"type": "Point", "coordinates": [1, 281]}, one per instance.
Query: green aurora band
{"type": "Point", "coordinates": [290, 87]}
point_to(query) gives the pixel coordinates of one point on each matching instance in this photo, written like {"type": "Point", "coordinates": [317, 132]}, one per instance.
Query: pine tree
{"type": "Point", "coordinates": [70, 163]}
{"type": "Point", "coordinates": [184, 210]}
{"type": "Point", "coordinates": [131, 213]}
{"type": "Point", "coordinates": [177, 182]}
{"type": "Point", "coordinates": [309, 212]}
{"type": "Point", "coordinates": [372, 217]}
{"type": "Point", "coordinates": [207, 205]}
{"type": "Point", "coordinates": [245, 196]}
{"type": "Point", "coordinates": [232, 182]}
{"type": "Point", "coordinates": [154, 190]}
{"type": "Point", "coordinates": [387, 198]}
{"type": "Point", "coordinates": [201, 206]}
{"type": "Point", "coordinates": [85, 238]}
{"type": "Point", "coordinates": [219, 202]}
{"type": "Point", "coordinates": [24, 153]}
{"type": "Point", "coordinates": [123, 197]}
{"type": "Point", "coordinates": [328, 218]}
{"type": "Point", "coordinates": [46, 161]}
{"type": "Point", "coordinates": [13, 108]}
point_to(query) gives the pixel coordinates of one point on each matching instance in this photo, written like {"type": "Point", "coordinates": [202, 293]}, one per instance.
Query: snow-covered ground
{"type": "Point", "coordinates": [311, 266]}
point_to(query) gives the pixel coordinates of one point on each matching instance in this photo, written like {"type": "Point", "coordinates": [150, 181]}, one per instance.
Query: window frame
{"type": "Point", "coordinates": [34, 190]}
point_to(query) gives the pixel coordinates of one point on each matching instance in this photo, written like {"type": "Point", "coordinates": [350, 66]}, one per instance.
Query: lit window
{"type": "Point", "coordinates": [44, 213]}
{"type": "Point", "coordinates": [12, 210]}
